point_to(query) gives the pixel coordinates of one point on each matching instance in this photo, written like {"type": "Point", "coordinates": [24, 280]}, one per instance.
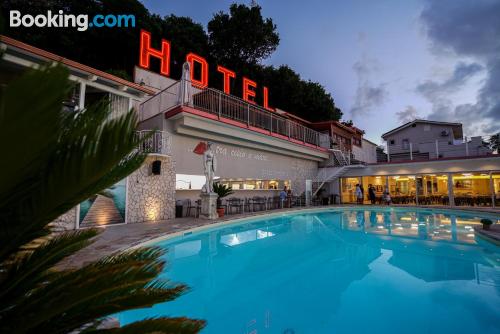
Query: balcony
{"type": "Point", "coordinates": [155, 142]}
{"type": "Point", "coordinates": [230, 108]}
{"type": "Point", "coordinates": [439, 149]}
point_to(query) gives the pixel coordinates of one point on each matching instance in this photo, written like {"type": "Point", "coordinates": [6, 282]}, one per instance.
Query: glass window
{"type": "Point", "coordinates": [377, 183]}
{"type": "Point", "coordinates": [402, 189]}
{"type": "Point", "coordinates": [348, 189]}
{"type": "Point", "coordinates": [433, 189]}
{"type": "Point", "coordinates": [496, 187]}
{"type": "Point", "coordinates": [472, 189]}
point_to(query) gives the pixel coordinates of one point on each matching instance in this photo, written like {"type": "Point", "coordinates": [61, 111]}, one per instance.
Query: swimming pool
{"type": "Point", "coordinates": [349, 270]}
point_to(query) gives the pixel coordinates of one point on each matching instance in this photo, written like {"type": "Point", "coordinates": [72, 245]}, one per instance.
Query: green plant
{"type": "Point", "coordinates": [222, 190]}
{"type": "Point", "coordinates": [53, 160]}
{"type": "Point", "coordinates": [486, 221]}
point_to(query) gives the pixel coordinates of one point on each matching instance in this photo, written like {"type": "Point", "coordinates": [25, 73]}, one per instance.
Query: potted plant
{"type": "Point", "coordinates": [222, 190]}
{"type": "Point", "coordinates": [486, 223]}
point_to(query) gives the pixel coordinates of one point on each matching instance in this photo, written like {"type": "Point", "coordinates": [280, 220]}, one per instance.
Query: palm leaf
{"type": "Point", "coordinates": [58, 160]}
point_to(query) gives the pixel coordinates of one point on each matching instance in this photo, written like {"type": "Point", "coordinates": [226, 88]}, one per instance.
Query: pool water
{"type": "Point", "coordinates": [337, 271]}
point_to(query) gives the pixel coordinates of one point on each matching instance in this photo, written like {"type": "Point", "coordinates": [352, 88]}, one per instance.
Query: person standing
{"type": "Point", "coordinates": [283, 195]}
{"type": "Point", "coordinates": [359, 194]}
{"type": "Point", "coordinates": [371, 193]}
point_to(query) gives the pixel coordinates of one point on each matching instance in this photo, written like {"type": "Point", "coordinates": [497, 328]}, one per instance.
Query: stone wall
{"type": "Point", "coordinates": [66, 221]}
{"type": "Point", "coordinates": [151, 197]}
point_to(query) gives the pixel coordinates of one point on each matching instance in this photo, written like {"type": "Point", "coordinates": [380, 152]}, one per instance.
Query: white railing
{"type": "Point", "coordinates": [439, 149]}
{"type": "Point", "coordinates": [162, 102]}
{"type": "Point", "coordinates": [156, 142]}
{"type": "Point", "coordinates": [223, 105]}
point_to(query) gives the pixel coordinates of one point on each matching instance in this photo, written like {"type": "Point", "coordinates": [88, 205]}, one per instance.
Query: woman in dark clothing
{"type": "Point", "coordinates": [371, 193]}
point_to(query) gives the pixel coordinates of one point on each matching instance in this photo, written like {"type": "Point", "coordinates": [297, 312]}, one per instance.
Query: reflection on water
{"type": "Point", "coordinates": [349, 271]}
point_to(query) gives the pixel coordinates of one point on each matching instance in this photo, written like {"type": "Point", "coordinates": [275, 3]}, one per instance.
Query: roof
{"type": "Point", "coordinates": [418, 121]}
{"type": "Point", "coordinates": [72, 64]}
{"type": "Point", "coordinates": [370, 142]}
{"type": "Point", "coordinates": [338, 124]}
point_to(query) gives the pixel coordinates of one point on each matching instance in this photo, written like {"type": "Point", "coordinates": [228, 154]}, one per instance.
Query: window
{"type": "Point", "coordinates": [392, 142]}
{"type": "Point", "coordinates": [406, 144]}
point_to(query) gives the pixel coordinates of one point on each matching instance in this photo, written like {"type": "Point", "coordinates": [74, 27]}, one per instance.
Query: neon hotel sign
{"type": "Point", "coordinates": [146, 52]}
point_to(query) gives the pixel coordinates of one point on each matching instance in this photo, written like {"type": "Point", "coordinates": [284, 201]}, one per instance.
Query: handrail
{"type": "Point", "coordinates": [229, 106]}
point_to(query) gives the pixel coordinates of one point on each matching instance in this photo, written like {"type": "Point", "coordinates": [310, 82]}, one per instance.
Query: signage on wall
{"type": "Point", "coordinates": [249, 89]}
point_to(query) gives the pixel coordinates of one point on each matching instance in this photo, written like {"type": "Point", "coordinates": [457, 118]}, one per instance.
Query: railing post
{"type": "Point", "coordinates": [271, 116]}
{"type": "Point", "coordinates": [288, 127]}
{"type": "Point", "coordinates": [248, 115]}
{"type": "Point", "coordinates": [220, 103]}
{"type": "Point", "coordinates": [466, 147]}
{"type": "Point", "coordinates": [411, 151]}
{"type": "Point", "coordinates": [437, 149]}
{"type": "Point", "coordinates": [304, 134]}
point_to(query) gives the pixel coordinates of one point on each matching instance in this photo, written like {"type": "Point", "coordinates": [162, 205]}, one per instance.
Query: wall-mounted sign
{"type": "Point", "coordinates": [146, 52]}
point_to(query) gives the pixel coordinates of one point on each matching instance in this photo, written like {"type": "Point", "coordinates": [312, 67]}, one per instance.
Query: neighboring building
{"type": "Point", "coordinates": [366, 152]}
{"type": "Point", "coordinates": [424, 140]}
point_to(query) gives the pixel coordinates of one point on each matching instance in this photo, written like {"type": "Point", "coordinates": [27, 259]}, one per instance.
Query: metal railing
{"type": "Point", "coordinates": [156, 142]}
{"type": "Point", "coordinates": [230, 107]}
{"type": "Point", "coordinates": [218, 103]}
{"type": "Point", "coordinates": [163, 101]}
{"type": "Point", "coordinates": [442, 149]}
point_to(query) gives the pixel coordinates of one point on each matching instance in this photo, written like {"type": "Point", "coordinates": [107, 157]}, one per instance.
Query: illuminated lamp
{"type": "Point", "coordinates": [192, 58]}
{"type": "Point", "coordinates": [147, 51]}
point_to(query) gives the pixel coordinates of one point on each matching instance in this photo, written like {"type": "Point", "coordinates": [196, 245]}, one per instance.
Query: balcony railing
{"type": "Point", "coordinates": [156, 142]}
{"type": "Point", "coordinates": [230, 107]}
{"type": "Point", "coordinates": [442, 149]}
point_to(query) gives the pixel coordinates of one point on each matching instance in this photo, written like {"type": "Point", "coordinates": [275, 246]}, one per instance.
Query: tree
{"type": "Point", "coordinates": [243, 36]}
{"type": "Point", "coordinates": [53, 160]}
{"type": "Point", "coordinates": [238, 40]}
{"type": "Point", "coordinates": [494, 142]}
{"type": "Point", "coordinates": [185, 36]}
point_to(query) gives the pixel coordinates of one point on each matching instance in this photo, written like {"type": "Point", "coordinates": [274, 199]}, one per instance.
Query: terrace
{"type": "Point", "coordinates": [216, 105]}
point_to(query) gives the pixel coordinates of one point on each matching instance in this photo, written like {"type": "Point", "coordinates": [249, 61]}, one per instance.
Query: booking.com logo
{"type": "Point", "coordinates": [61, 20]}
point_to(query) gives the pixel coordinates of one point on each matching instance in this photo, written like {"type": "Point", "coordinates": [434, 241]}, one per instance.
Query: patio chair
{"type": "Point", "coordinates": [235, 203]}
{"type": "Point", "coordinates": [196, 207]}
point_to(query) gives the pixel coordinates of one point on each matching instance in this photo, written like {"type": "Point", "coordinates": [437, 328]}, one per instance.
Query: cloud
{"type": "Point", "coordinates": [462, 72]}
{"type": "Point", "coordinates": [368, 95]}
{"type": "Point", "coordinates": [471, 30]}
{"type": "Point", "coordinates": [407, 115]}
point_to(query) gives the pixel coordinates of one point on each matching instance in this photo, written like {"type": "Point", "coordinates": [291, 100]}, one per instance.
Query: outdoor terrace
{"type": "Point", "coordinates": [231, 110]}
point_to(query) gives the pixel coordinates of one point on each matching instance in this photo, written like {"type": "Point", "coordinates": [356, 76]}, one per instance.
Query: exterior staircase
{"type": "Point", "coordinates": [336, 166]}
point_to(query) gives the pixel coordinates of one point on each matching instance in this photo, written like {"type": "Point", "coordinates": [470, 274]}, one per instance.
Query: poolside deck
{"type": "Point", "coordinates": [119, 237]}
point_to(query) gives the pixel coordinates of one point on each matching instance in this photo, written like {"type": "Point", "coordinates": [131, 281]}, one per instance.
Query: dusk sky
{"type": "Point", "coordinates": [386, 62]}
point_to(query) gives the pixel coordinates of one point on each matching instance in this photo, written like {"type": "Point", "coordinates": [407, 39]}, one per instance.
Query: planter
{"type": "Point", "coordinates": [220, 212]}
{"type": "Point", "coordinates": [486, 223]}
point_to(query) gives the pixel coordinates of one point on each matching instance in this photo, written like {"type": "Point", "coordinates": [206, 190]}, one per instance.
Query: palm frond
{"type": "Point", "coordinates": [30, 268]}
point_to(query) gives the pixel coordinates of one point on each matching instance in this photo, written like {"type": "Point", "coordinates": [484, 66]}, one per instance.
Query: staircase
{"type": "Point", "coordinates": [336, 166]}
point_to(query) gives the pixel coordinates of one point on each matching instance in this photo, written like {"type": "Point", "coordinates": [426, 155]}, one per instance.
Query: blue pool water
{"type": "Point", "coordinates": [337, 271]}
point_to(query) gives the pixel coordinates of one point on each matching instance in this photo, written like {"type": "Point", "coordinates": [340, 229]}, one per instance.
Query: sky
{"type": "Point", "coordinates": [386, 62]}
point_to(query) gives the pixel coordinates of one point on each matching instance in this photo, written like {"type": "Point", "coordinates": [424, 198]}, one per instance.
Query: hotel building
{"type": "Point", "coordinates": [259, 151]}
